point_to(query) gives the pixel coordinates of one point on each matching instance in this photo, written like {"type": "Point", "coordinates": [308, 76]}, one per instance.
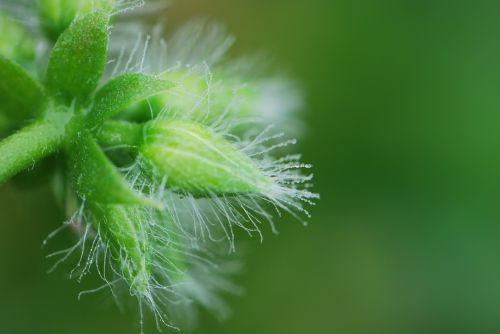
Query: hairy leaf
{"type": "Point", "coordinates": [79, 56]}
{"type": "Point", "coordinates": [95, 178]}
{"type": "Point", "coordinates": [122, 92]}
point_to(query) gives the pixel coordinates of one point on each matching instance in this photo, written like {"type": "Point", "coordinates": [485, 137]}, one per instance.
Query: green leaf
{"type": "Point", "coordinates": [21, 97]}
{"type": "Point", "coordinates": [79, 56]}
{"type": "Point", "coordinates": [122, 92]}
{"type": "Point", "coordinates": [95, 178]}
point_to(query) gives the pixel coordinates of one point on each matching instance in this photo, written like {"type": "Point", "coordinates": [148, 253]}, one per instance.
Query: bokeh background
{"type": "Point", "coordinates": [403, 117]}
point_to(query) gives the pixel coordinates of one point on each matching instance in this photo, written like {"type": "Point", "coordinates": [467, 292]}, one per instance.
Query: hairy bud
{"type": "Point", "coordinates": [223, 97]}
{"type": "Point", "coordinates": [223, 94]}
{"type": "Point", "coordinates": [196, 160]}
{"type": "Point", "coordinates": [122, 228]}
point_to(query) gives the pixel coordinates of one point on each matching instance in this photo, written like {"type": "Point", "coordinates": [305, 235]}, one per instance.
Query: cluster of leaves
{"type": "Point", "coordinates": [152, 177]}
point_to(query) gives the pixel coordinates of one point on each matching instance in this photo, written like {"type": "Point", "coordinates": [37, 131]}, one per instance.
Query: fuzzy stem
{"type": "Point", "coordinates": [30, 144]}
{"type": "Point", "coordinates": [120, 133]}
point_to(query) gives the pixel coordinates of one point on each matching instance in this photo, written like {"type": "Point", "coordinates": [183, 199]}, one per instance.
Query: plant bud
{"type": "Point", "coordinates": [57, 15]}
{"type": "Point", "coordinates": [125, 230]}
{"type": "Point", "coordinates": [208, 98]}
{"type": "Point", "coordinates": [195, 160]}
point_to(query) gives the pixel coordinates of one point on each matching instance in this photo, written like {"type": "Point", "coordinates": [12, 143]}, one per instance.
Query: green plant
{"type": "Point", "coordinates": [156, 163]}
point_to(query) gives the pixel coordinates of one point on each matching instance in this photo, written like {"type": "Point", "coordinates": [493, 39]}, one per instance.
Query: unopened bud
{"type": "Point", "coordinates": [124, 230]}
{"type": "Point", "coordinates": [209, 98]}
{"type": "Point", "coordinates": [194, 159]}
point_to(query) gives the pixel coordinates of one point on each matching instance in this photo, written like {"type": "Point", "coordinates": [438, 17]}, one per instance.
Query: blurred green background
{"type": "Point", "coordinates": [403, 111]}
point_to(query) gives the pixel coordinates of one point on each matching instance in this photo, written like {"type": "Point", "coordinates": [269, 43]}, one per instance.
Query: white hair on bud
{"type": "Point", "coordinates": [199, 49]}
{"type": "Point", "coordinates": [149, 8]}
{"type": "Point", "coordinates": [122, 6]}
{"type": "Point", "coordinates": [184, 274]}
{"type": "Point", "coordinates": [188, 239]}
{"type": "Point", "coordinates": [197, 42]}
{"type": "Point", "coordinates": [214, 217]}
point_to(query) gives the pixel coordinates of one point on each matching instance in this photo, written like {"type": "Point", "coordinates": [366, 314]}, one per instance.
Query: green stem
{"type": "Point", "coordinates": [31, 144]}
{"type": "Point", "coordinates": [120, 133]}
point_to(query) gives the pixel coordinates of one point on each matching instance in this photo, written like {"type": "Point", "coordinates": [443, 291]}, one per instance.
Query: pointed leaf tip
{"type": "Point", "coordinates": [122, 92]}
{"type": "Point", "coordinates": [21, 97]}
{"type": "Point", "coordinates": [79, 57]}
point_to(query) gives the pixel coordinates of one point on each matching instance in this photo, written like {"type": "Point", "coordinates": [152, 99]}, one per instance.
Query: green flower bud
{"type": "Point", "coordinates": [198, 161]}
{"type": "Point", "coordinates": [15, 43]}
{"type": "Point", "coordinates": [124, 230]}
{"type": "Point", "coordinates": [57, 15]}
{"type": "Point", "coordinates": [207, 98]}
